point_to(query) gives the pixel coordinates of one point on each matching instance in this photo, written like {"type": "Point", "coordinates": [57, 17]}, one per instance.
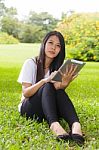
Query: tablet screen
{"type": "Point", "coordinates": [68, 64]}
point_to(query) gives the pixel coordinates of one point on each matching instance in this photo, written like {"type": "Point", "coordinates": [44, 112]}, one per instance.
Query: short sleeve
{"type": "Point", "coordinates": [28, 72]}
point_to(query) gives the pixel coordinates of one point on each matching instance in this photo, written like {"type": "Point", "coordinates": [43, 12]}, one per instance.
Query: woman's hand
{"type": "Point", "coordinates": [66, 78]}
{"type": "Point", "coordinates": [49, 79]}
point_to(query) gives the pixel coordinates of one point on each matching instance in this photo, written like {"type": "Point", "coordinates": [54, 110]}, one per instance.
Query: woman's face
{"type": "Point", "coordinates": [52, 47]}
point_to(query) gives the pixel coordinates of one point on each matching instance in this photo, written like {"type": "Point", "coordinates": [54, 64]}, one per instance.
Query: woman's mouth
{"type": "Point", "coordinates": [52, 52]}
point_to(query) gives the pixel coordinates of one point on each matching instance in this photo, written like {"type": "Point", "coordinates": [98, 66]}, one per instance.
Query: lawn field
{"type": "Point", "coordinates": [16, 133]}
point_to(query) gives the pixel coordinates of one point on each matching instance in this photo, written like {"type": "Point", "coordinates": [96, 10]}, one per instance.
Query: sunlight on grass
{"type": "Point", "coordinates": [17, 53]}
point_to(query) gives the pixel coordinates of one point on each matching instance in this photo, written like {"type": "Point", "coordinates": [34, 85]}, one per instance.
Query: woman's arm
{"type": "Point", "coordinates": [28, 89]}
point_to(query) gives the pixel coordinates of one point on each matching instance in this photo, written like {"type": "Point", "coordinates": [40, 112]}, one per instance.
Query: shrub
{"type": "Point", "coordinates": [81, 34]}
{"type": "Point", "coordinates": [7, 39]}
{"type": "Point", "coordinates": [87, 50]}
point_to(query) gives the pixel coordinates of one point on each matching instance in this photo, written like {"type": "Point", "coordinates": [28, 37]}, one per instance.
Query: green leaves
{"type": "Point", "coordinates": [81, 34]}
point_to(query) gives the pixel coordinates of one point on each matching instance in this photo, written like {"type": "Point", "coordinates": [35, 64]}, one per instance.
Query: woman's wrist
{"type": "Point", "coordinates": [64, 86]}
{"type": "Point", "coordinates": [43, 81]}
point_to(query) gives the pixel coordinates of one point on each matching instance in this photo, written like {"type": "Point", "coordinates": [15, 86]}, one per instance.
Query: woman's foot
{"type": "Point", "coordinates": [76, 128]}
{"type": "Point", "coordinates": [57, 129]}
{"type": "Point", "coordinates": [76, 134]}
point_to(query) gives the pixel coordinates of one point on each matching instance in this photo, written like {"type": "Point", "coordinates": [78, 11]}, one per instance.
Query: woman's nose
{"type": "Point", "coordinates": [54, 47]}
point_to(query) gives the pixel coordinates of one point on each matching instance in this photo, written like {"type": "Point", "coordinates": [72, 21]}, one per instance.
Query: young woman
{"type": "Point", "coordinates": [44, 99]}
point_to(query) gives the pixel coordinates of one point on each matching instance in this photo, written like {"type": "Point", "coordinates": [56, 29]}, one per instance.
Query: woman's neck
{"type": "Point", "coordinates": [48, 61]}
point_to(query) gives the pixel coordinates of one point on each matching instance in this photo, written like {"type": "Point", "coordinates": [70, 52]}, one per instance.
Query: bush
{"type": "Point", "coordinates": [81, 35]}
{"type": "Point", "coordinates": [87, 50]}
{"type": "Point", "coordinates": [7, 39]}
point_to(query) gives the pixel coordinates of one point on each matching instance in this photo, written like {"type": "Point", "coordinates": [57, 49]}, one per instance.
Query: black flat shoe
{"type": "Point", "coordinates": [78, 139]}
{"type": "Point", "coordinates": [64, 137]}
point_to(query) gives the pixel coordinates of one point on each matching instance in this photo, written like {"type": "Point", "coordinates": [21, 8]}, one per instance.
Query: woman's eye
{"type": "Point", "coordinates": [50, 42]}
{"type": "Point", "coordinates": [58, 46]}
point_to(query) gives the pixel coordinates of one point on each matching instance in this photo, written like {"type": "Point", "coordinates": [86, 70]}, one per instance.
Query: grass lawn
{"type": "Point", "coordinates": [16, 133]}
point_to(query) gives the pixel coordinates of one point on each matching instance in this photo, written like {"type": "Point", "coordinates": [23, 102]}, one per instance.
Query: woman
{"type": "Point", "coordinates": [44, 99]}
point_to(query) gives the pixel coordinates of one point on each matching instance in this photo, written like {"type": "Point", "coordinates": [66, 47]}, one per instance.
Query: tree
{"type": "Point", "coordinates": [81, 35]}
{"type": "Point", "coordinates": [9, 22]}
{"type": "Point", "coordinates": [43, 20]}
{"type": "Point", "coordinates": [31, 30]}
{"type": "Point", "coordinates": [29, 33]}
{"type": "Point", "coordinates": [10, 26]}
{"type": "Point", "coordinates": [2, 11]}
{"type": "Point", "coordinates": [11, 12]}
{"type": "Point", "coordinates": [2, 8]}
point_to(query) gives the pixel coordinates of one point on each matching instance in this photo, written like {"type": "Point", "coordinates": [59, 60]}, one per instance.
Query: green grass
{"type": "Point", "coordinates": [17, 53]}
{"type": "Point", "coordinates": [16, 133]}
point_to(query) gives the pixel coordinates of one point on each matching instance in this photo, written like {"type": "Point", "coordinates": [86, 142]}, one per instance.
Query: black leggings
{"type": "Point", "coordinates": [50, 104]}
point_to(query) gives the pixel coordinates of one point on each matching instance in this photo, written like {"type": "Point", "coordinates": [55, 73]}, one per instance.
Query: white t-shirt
{"type": "Point", "coordinates": [29, 71]}
{"type": "Point", "coordinates": [28, 75]}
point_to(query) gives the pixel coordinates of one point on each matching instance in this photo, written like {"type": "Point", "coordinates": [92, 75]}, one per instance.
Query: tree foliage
{"type": "Point", "coordinates": [10, 26]}
{"type": "Point", "coordinates": [30, 30]}
{"type": "Point", "coordinates": [81, 32]}
{"type": "Point", "coordinates": [43, 21]}
{"type": "Point", "coordinates": [2, 8]}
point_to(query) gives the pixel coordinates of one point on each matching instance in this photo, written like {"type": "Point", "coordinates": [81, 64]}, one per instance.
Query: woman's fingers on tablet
{"type": "Point", "coordinates": [53, 74]}
{"type": "Point", "coordinates": [72, 69]}
{"type": "Point", "coordinates": [67, 69]}
{"type": "Point", "coordinates": [74, 76]}
{"type": "Point", "coordinates": [61, 73]}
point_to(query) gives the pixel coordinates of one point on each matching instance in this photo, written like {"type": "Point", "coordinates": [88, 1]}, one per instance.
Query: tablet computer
{"type": "Point", "coordinates": [66, 64]}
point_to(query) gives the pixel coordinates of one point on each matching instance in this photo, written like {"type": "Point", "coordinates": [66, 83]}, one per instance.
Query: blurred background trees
{"type": "Point", "coordinates": [30, 30]}
{"type": "Point", "coordinates": [80, 30]}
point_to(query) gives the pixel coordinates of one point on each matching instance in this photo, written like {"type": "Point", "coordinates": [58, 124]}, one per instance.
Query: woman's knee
{"type": "Point", "coordinates": [49, 86]}
{"type": "Point", "coordinates": [61, 92]}
{"type": "Point", "coordinates": [48, 91]}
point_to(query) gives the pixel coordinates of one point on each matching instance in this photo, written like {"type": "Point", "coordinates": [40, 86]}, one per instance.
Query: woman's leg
{"type": "Point", "coordinates": [67, 111]}
{"type": "Point", "coordinates": [50, 109]}
{"type": "Point", "coordinates": [66, 108]}
{"type": "Point", "coordinates": [33, 107]}
{"type": "Point", "coordinates": [49, 103]}
{"type": "Point", "coordinates": [43, 105]}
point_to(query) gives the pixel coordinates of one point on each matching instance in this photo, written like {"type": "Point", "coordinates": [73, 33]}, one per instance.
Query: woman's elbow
{"type": "Point", "coordinates": [26, 94]}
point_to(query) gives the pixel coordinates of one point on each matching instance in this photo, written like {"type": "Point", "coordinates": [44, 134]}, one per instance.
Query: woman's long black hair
{"type": "Point", "coordinates": [58, 60]}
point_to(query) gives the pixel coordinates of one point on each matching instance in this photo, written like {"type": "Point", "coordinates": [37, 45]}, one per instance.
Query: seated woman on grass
{"type": "Point", "coordinates": [44, 99]}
